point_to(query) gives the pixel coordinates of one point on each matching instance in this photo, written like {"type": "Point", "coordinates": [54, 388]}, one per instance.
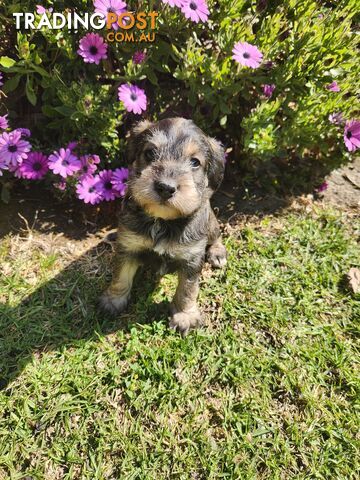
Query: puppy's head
{"type": "Point", "coordinates": [175, 167]}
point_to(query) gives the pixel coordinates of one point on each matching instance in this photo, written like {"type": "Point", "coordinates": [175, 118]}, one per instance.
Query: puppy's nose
{"type": "Point", "coordinates": [165, 190]}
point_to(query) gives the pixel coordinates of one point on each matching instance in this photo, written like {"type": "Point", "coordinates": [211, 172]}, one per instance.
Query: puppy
{"type": "Point", "coordinates": [167, 217]}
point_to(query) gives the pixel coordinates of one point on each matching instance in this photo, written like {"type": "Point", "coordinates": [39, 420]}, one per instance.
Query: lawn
{"type": "Point", "coordinates": [267, 389]}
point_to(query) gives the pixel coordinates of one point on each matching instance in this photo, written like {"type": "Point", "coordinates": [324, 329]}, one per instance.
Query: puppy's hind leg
{"type": "Point", "coordinates": [216, 252]}
{"type": "Point", "coordinates": [116, 297]}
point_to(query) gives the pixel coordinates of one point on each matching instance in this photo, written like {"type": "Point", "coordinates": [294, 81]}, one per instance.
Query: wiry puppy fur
{"type": "Point", "coordinates": [167, 217]}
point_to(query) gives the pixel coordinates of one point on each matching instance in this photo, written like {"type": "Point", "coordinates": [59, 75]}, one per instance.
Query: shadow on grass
{"type": "Point", "coordinates": [35, 208]}
{"type": "Point", "coordinates": [64, 311]}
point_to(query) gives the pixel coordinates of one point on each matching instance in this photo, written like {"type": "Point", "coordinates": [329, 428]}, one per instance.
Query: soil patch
{"type": "Point", "coordinates": [343, 186]}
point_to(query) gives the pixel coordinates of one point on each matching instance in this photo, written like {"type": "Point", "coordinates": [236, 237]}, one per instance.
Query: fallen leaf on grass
{"type": "Point", "coordinates": [353, 280]}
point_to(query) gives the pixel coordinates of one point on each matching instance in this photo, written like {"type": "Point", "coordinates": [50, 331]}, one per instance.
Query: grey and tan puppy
{"type": "Point", "coordinates": [167, 217]}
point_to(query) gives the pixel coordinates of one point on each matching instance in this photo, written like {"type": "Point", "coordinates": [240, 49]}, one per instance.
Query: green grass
{"type": "Point", "coordinates": [268, 389]}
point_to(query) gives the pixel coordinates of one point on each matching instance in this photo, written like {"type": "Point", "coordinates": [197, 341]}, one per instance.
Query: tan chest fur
{"type": "Point", "coordinates": [134, 243]}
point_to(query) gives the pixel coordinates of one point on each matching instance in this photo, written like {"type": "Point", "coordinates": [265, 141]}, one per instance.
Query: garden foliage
{"type": "Point", "coordinates": [295, 102]}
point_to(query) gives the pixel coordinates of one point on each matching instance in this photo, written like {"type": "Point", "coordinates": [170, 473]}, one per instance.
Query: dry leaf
{"type": "Point", "coordinates": [353, 278]}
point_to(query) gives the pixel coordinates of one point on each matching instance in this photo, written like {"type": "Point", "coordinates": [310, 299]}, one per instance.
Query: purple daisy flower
{"type": "Point", "coordinates": [118, 180]}
{"type": "Point", "coordinates": [4, 122]}
{"type": "Point", "coordinates": [3, 165]}
{"type": "Point", "coordinates": [87, 190]}
{"type": "Point", "coordinates": [92, 48]}
{"type": "Point", "coordinates": [15, 170]}
{"type": "Point", "coordinates": [104, 187]}
{"type": "Point", "coordinates": [138, 57]}
{"type": "Point", "coordinates": [1, 80]}
{"type": "Point", "coordinates": [268, 65]}
{"type": "Point", "coordinates": [268, 90]}
{"type": "Point", "coordinates": [247, 55]}
{"type": "Point", "coordinates": [94, 159]}
{"type": "Point", "coordinates": [336, 118]}
{"type": "Point", "coordinates": [13, 149]}
{"type": "Point", "coordinates": [110, 6]}
{"type": "Point", "coordinates": [25, 132]}
{"type": "Point", "coordinates": [196, 10]}
{"type": "Point", "coordinates": [60, 185]}
{"type": "Point", "coordinates": [64, 163]}
{"type": "Point", "coordinates": [88, 164]}
{"type": "Point", "coordinates": [173, 3]}
{"type": "Point", "coordinates": [333, 87]}
{"type": "Point", "coordinates": [352, 135]}
{"type": "Point", "coordinates": [322, 187]}
{"type": "Point", "coordinates": [40, 9]}
{"type": "Point", "coordinates": [133, 97]}
{"type": "Point", "coordinates": [72, 145]}
{"type": "Point", "coordinates": [34, 167]}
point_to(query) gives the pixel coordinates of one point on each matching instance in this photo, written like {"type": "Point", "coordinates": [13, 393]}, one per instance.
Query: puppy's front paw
{"type": "Point", "coordinates": [183, 322]}
{"type": "Point", "coordinates": [216, 255]}
{"type": "Point", "coordinates": [112, 303]}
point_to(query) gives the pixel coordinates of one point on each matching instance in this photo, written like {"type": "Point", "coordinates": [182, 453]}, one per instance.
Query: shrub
{"type": "Point", "coordinates": [288, 106]}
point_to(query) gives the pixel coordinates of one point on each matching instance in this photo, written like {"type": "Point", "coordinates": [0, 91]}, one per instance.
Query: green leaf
{"type": "Point", "coordinates": [150, 75]}
{"type": "Point", "coordinates": [223, 120]}
{"type": "Point", "coordinates": [40, 70]}
{"type": "Point", "coordinates": [223, 107]}
{"type": "Point", "coordinates": [49, 111]}
{"type": "Point", "coordinates": [192, 98]}
{"type": "Point", "coordinates": [12, 84]}
{"type": "Point", "coordinates": [7, 62]}
{"type": "Point", "coordinates": [19, 69]}
{"type": "Point", "coordinates": [29, 90]}
{"type": "Point", "coordinates": [65, 110]}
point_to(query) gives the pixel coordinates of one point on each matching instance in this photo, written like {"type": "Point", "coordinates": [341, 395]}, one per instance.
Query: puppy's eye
{"type": "Point", "coordinates": [149, 154]}
{"type": "Point", "coordinates": [195, 162]}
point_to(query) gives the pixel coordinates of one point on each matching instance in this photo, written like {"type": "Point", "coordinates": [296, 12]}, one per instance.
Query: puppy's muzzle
{"type": "Point", "coordinates": [165, 189]}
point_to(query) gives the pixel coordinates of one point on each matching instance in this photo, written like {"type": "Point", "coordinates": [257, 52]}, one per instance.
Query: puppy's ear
{"type": "Point", "coordinates": [216, 166]}
{"type": "Point", "coordinates": [134, 143]}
